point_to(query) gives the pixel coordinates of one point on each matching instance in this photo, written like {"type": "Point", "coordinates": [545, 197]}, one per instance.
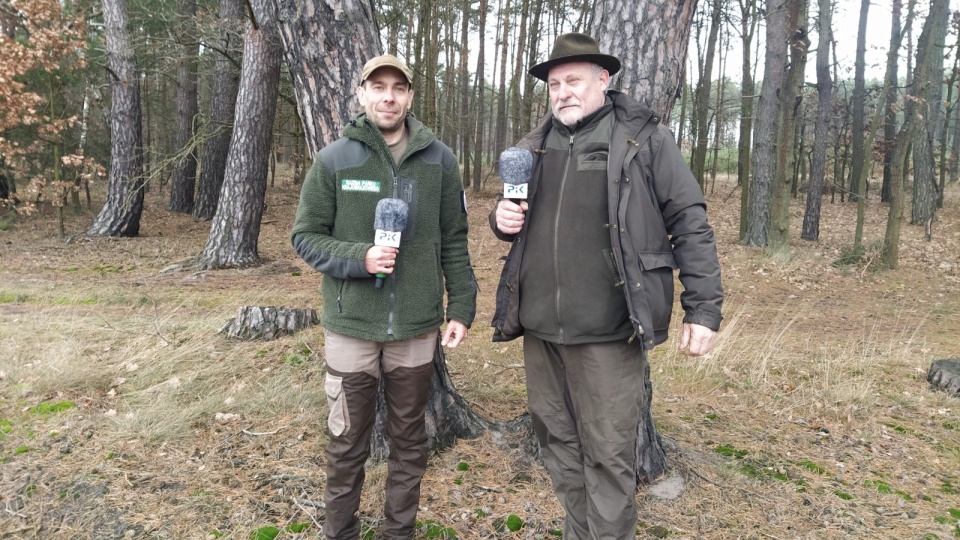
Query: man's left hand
{"type": "Point", "coordinates": [697, 340]}
{"type": "Point", "coordinates": [455, 332]}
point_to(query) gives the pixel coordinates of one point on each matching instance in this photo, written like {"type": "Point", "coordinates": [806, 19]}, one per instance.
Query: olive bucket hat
{"type": "Point", "coordinates": [575, 47]}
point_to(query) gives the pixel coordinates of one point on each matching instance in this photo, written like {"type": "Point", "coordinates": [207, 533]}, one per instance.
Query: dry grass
{"type": "Point", "coordinates": [812, 419]}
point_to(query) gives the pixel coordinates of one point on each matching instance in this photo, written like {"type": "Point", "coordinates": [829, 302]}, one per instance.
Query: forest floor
{"type": "Point", "coordinates": [123, 414]}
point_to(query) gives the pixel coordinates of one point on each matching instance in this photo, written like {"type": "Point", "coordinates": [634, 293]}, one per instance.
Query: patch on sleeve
{"type": "Point", "coordinates": [370, 186]}
{"type": "Point", "coordinates": [463, 201]}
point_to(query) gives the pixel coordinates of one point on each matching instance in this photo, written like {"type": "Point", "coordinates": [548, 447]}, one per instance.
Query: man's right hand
{"type": "Point", "coordinates": [380, 259]}
{"type": "Point", "coordinates": [510, 216]}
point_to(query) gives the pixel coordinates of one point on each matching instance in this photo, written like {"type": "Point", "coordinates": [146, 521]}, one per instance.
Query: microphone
{"type": "Point", "coordinates": [516, 169]}
{"type": "Point", "coordinates": [389, 221]}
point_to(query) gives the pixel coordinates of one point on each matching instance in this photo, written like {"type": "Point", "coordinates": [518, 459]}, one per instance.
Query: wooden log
{"type": "Point", "coordinates": [945, 375]}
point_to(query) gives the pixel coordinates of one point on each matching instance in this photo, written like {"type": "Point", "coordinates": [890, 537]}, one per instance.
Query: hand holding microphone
{"type": "Point", "coordinates": [516, 169]}
{"type": "Point", "coordinates": [389, 221]}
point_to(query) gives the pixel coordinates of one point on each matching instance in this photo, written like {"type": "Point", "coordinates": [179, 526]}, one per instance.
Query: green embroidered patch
{"type": "Point", "coordinates": [348, 184]}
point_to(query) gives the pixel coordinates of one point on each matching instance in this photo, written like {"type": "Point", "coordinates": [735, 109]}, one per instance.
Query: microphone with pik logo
{"type": "Point", "coordinates": [389, 221]}
{"type": "Point", "coordinates": [516, 169]}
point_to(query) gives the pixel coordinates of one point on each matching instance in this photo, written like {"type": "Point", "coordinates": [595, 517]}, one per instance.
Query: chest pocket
{"type": "Point", "coordinates": [592, 161]}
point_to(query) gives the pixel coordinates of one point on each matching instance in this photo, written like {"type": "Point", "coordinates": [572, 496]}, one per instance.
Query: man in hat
{"type": "Point", "coordinates": [388, 332]}
{"type": "Point", "coordinates": [612, 211]}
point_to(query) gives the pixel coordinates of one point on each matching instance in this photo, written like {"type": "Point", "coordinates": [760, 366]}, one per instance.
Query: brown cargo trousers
{"type": "Point", "coordinates": [353, 372]}
{"type": "Point", "coordinates": [585, 404]}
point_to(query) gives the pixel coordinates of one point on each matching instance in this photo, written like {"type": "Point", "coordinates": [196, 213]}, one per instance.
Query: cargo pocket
{"type": "Point", "coordinates": [338, 421]}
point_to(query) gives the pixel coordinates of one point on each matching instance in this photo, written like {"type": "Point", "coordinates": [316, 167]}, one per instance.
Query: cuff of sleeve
{"type": "Point", "coordinates": [704, 318]}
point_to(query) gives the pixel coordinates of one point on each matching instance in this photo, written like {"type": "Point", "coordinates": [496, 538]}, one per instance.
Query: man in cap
{"type": "Point", "coordinates": [612, 210]}
{"type": "Point", "coordinates": [388, 332]}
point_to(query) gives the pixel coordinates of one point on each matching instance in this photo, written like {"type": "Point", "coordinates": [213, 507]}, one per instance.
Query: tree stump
{"type": "Point", "coordinates": [266, 323]}
{"type": "Point", "coordinates": [945, 375]}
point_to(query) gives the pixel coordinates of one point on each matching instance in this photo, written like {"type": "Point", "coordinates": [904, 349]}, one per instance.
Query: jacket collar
{"type": "Point", "coordinates": [362, 129]}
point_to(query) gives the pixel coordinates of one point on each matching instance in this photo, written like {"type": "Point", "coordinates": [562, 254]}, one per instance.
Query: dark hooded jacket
{"type": "Point", "coordinates": [657, 222]}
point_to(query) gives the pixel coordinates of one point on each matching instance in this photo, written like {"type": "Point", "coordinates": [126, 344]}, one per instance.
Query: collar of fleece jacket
{"type": "Point", "coordinates": [365, 131]}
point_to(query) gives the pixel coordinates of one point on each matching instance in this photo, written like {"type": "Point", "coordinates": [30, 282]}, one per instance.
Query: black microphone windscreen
{"type": "Point", "coordinates": [391, 215]}
{"type": "Point", "coordinates": [516, 165]}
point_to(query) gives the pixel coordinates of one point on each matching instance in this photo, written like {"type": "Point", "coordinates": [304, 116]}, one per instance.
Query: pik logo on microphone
{"type": "Point", "coordinates": [387, 238]}
{"type": "Point", "coordinates": [515, 191]}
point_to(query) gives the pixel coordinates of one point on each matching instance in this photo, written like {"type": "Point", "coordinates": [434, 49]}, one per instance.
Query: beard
{"type": "Point", "coordinates": [569, 116]}
{"type": "Point", "coordinates": [390, 125]}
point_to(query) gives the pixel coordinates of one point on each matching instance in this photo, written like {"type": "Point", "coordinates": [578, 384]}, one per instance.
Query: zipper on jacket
{"type": "Point", "coordinates": [390, 302]}
{"type": "Point", "coordinates": [556, 237]}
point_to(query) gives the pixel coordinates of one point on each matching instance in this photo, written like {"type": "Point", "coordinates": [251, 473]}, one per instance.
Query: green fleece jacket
{"type": "Point", "coordinates": [334, 228]}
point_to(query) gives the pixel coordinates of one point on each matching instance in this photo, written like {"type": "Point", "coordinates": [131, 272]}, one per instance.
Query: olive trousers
{"type": "Point", "coordinates": [585, 404]}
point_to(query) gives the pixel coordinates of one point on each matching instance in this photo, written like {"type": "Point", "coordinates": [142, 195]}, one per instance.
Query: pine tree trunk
{"type": "Point", "coordinates": [235, 228]}
{"type": "Point", "coordinates": [223, 105]}
{"type": "Point", "coordinates": [748, 18]}
{"type": "Point", "coordinates": [929, 70]}
{"type": "Point", "coordinates": [519, 128]}
{"type": "Point", "coordinates": [184, 178]}
{"type": "Point", "coordinates": [479, 106]}
{"type": "Point", "coordinates": [859, 97]}
{"type": "Point", "coordinates": [790, 101]}
{"type": "Point", "coordinates": [652, 55]}
{"type": "Point", "coordinates": [500, 132]}
{"type": "Point", "coordinates": [325, 46]}
{"type": "Point", "coordinates": [120, 215]}
{"type": "Point", "coordinates": [811, 217]}
{"type": "Point", "coordinates": [764, 164]}
{"type": "Point", "coordinates": [702, 114]}
{"type": "Point", "coordinates": [466, 123]}
{"type": "Point", "coordinates": [890, 119]}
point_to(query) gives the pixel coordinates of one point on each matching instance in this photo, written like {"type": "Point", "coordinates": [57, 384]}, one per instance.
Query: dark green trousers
{"type": "Point", "coordinates": [585, 404]}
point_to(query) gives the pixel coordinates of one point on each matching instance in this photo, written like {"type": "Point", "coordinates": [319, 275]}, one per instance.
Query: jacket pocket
{"type": "Point", "coordinates": [657, 285]}
{"type": "Point", "coordinates": [612, 266]}
{"type": "Point", "coordinates": [592, 161]}
{"type": "Point", "coordinates": [338, 420]}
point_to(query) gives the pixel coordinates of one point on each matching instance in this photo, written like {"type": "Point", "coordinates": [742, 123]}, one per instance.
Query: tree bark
{"type": "Point", "coordinates": [890, 119]}
{"type": "Point", "coordinates": [890, 252]}
{"type": "Point", "coordinates": [235, 228]}
{"type": "Point", "coordinates": [652, 55]}
{"type": "Point", "coordinates": [466, 124]}
{"type": "Point", "coordinates": [223, 104]}
{"type": "Point", "coordinates": [790, 101]}
{"type": "Point", "coordinates": [519, 125]}
{"type": "Point", "coordinates": [500, 132]}
{"type": "Point", "coordinates": [945, 375]}
{"type": "Point", "coordinates": [859, 97]}
{"type": "Point", "coordinates": [266, 323]}
{"type": "Point", "coordinates": [764, 164]}
{"type": "Point", "coordinates": [479, 106]}
{"type": "Point", "coordinates": [929, 75]}
{"type": "Point", "coordinates": [702, 114]}
{"type": "Point", "coordinates": [325, 46]}
{"type": "Point", "coordinates": [184, 179]}
{"type": "Point", "coordinates": [811, 217]}
{"type": "Point", "coordinates": [120, 215]}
